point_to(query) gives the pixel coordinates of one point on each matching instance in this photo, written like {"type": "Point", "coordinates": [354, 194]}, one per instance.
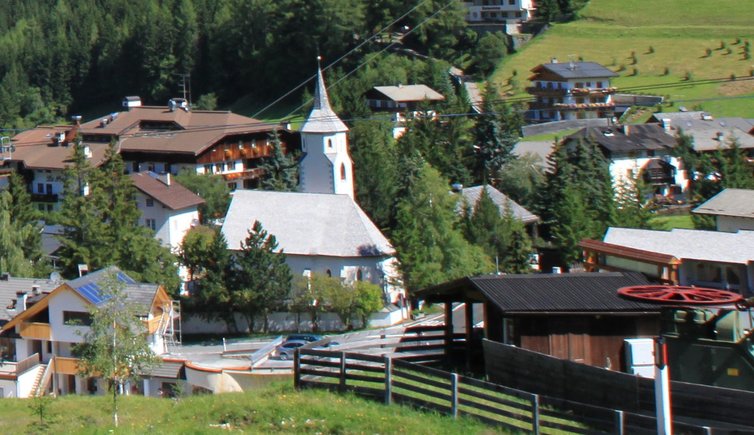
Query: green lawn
{"type": "Point", "coordinates": [672, 221]}
{"type": "Point", "coordinates": [670, 35]}
{"type": "Point", "coordinates": [273, 409]}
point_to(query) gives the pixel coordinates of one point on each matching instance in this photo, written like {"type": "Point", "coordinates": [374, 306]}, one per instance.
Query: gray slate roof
{"type": "Point", "coordinates": [9, 287]}
{"type": "Point", "coordinates": [140, 295]}
{"type": "Point", "coordinates": [407, 93]}
{"type": "Point", "coordinates": [541, 149]}
{"type": "Point", "coordinates": [729, 202]}
{"type": "Point", "coordinates": [306, 224]}
{"type": "Point", "coordinates": [577, 70]}
{"type": "Point", "coordinates": [706, 130]}
{"type": "Point", "coordinates": [322, 118]}
{"type": "Point", "coordinates": [639, 138]}
{"type": "Point", "coordinates": [712, 246]}
{"type": "Point", "coordinates": [471, 196]}
{"type": "Point", "coordinates": [553, 293]}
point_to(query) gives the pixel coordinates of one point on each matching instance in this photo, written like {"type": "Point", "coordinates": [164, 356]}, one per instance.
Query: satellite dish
{"type": "Point", "coordinates": [55, 277]}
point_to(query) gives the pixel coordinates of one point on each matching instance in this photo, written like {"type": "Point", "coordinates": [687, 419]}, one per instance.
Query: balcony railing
{"type": "Point", "coordinates": [582, 106]}
{"type": "Point", "coordinates": [66, 365]}
{"type": "Point", "coordinates": [593, 91]}
{"type": "Point", "coordinates": [35, 330]}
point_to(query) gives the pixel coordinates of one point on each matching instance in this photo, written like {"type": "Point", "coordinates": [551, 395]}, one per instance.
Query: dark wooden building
{"type": "Point", "coordinates": [576, 316]}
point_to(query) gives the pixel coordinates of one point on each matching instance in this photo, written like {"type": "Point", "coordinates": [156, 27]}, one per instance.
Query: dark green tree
{"type": "Point", "coordinates": [489, 52]}
{"type": "Point", "coordinates": [213, 190]}
{"type": "Point", "coordinates": [430, 248]}
{"type": "Point", "coordinates": [522, 178]}
{"type": "Point", "coordinates": [260, 278]}
{"type": "Point", "coordinates": [280, 169]}
{"type": "Point", "coordinates": [496, 133]}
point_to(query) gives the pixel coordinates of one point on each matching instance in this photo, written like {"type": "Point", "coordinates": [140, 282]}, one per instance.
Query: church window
{"type": "Point", "coordinates": [329, 143]}
{"type": "Point", "coordinates": [342, 171]}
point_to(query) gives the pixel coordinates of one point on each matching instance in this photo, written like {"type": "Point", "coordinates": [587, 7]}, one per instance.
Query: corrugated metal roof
{"type": "Point", "coordinates": [575, 292]}
{"type": "Point", "coordinates": [551, 293]}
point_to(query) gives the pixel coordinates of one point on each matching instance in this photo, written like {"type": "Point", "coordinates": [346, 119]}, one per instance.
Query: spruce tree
{"type": "Point", "coordinates": [260, 277]}
{"type": "Point", "coordinates": [280, 169]}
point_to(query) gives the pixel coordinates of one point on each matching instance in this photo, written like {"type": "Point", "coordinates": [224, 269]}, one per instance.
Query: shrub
{"type": "Point", "coordinates": [708, 52]}
{"type": "Point", "coordinates": [689, 76]}
{"type": "Point", "coordinates": [666, 71]}
{"type": "Point", "coordinates": [651, 50]}
{"type": "Point", "coordinates": [738, 41]}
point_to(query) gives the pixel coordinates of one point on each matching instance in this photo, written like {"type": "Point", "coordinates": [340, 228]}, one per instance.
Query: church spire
{"type": "Point", "coordinates": [322, 119]}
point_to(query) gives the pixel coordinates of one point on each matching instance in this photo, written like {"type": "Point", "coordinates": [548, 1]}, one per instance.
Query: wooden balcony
{"type": "Point", "coordinates": [546, 92]}
{"type": "Point", "coordinates": [36, 331]}
{"type": "Point", "coordinates": [66, 365]}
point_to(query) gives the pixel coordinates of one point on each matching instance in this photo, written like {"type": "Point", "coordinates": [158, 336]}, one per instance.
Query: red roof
{"type": "Point", "coordinates": [172, 195]}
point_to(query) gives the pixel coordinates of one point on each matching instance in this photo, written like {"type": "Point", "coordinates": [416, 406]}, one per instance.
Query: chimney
{"type": "Point", "coordinates": [35, 289]}
{"type": "Point", "coordinates": [76, 120]}
{"type": "Point", "coordinates": [20, 301]}
{"type": "Point", "coordinates": [554, 60]}
{"type": "Point", "coordinates": [167, 179]}
{"type": "Point", "coordinates": [720, 136]}
{"type": "Point", "coordinates": [626, 129]}
{"type": "Point", "coordinates": [666, 124]}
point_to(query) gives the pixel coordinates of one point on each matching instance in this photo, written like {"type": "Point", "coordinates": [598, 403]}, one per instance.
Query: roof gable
{"type": "Point", "coordinates": [306, 223]}
{"type": "Point", "coordinates": [169, 192]}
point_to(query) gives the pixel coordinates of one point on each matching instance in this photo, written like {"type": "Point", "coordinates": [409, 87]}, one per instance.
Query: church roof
{"type": "Point", "coordinates": [310, 224]}
{"type": "Point", "coordinates": [322, 118]}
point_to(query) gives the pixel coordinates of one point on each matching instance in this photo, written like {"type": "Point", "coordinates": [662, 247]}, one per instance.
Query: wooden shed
{"type": "Point", "coordinates": [576, 316]}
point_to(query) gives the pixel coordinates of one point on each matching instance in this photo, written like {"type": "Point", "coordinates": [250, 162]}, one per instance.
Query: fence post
{"type": "Point", "coordinates": [454, 394]}
{"type": "Point", "coordinates": [620, 422]}
{"type": "Point", "coordinates": [388, 381]}
{"type": "Point", "coordinates": [342, 384]}
{"type": "Point", "coordinates": [296, 369]}
{"type": "Point", "coordinates": [535, 414]}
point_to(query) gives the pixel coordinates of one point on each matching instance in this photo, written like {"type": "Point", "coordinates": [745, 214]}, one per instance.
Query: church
{"type": "Point", "coordinates": [321, 229]}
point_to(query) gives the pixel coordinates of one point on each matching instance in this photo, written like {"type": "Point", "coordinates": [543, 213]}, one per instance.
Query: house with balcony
{"type": "Point", "coordinates": [51, 318]}
{"type": "Point", "coordinates": [712, 259]}
{"type": "Point", "coordinates": [403, 102]}
{"type": "Point", "coordinates": [175, 137]}
{"type": "Point", "coordinates": [499, 15]}
{"type": "Point", "coordinates": [572, 90]}
{"type": "Point", "coordinates": [41, 156]}
{"type": "Point", "coordinates": [644, 150]}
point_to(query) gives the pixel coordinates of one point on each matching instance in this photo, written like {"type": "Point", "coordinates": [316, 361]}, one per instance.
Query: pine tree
{"type": "Point", "coordinates": [261, 278]}
{"type": "Point", "coordinates": [280, 169]}
{"type": "Point", "coordinates": [430, 248]}
{"type": "Point", "coordinates": [496, 133]}
{"type": "Point", "coordinates": [735, 172]}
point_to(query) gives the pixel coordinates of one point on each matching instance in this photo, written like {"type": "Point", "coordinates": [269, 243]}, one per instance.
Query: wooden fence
{"type": "Point", "coordinates": [394, 380]}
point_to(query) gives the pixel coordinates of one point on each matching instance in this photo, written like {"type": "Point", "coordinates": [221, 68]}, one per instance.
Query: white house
{"type": "Point", "coordinates": [644, 150]}
{"type": "Point", "coordinates": [733, 210]}
{"type": "Point", "coordinates": [49, 323]}
{"type": "Point", "coordinates": [507, 13]}
{"type": "Point", "coordinates": [572, 90]}
{"type": "Point", "coordinates": [168, 208]}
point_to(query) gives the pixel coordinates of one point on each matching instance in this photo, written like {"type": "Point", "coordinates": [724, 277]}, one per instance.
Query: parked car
{"type": "Point", "coordinates": [303, 337]}
{"type": "Point", "coordinates": [286, 350]}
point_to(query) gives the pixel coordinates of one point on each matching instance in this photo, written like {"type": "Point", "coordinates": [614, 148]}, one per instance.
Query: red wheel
{"type": "Point", "coordinates": [680, 295]}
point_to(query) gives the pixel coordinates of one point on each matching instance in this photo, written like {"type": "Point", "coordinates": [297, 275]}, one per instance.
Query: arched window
{"type": "Point", "coordinates": [342, 171]}
{"type": "Point", "coordinates": [329, 143]}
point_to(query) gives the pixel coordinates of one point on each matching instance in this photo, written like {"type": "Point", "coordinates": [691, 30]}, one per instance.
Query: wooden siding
{"type": "Point", "coordinates": [229, 150]}
{"type": "Point", "coordinates": [66, 366]}
{"type": "Point", "coordinates": [35, 330]}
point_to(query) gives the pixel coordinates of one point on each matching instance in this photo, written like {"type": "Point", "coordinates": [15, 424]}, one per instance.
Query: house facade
{"type": "Point", "coordinates": [48, 325]}
{"type": "Point", "coordinates": [506, 14]}
{"type": "Point", "coordinates": [573, 90]}
{"type": "Point", "coordinates": [710, 259]}
{"type": "Point", "coordinates": [635, 151]}
{"type": "Point", "coordinates": [403, 102]}
{"type": "Point", "coordinates": [167, 208]}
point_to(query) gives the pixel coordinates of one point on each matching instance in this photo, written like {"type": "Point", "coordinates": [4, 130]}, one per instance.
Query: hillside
{"type": "Point", "coordinates": [272, 409]}
{"type": "Point", "coordinates": [670, 40]}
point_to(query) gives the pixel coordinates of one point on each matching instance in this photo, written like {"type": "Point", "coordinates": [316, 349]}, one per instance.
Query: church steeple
{"type": "Point", "coordinates": [322, 119]}
{"type": "Point", "coordinates": [326, 166]}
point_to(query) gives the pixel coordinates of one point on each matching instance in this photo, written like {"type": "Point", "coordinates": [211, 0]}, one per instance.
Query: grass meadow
{"type": "Point", "coordinates": [670, 43]}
